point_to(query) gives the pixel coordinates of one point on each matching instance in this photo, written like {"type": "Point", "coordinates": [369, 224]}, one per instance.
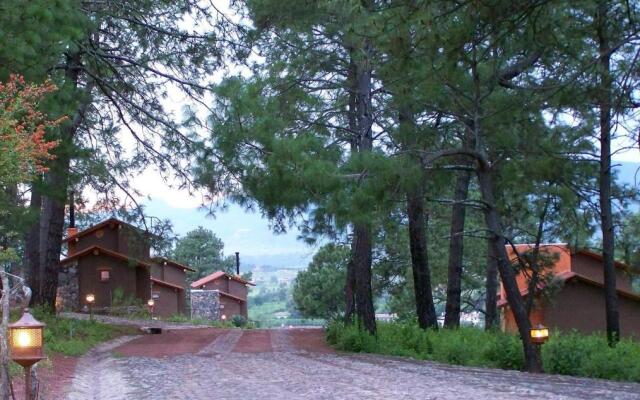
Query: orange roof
{"type": "Point", "coordinates": [102, 250]}
{"type": "Point", "coordinates": [164, 283]}
{"type": "Point", "coordinates": [218, 275]}
{"type": "Point", "coordinates": [172, 263]}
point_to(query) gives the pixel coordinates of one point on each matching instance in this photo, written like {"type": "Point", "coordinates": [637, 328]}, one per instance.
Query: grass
{"type": "Point", "coordinates": [72, 337]}
{"type": "Point", "coordinates": [567, 354]}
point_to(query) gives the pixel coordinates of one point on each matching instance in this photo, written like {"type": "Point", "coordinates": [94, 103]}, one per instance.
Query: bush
{"type": "Point", "coordinates": [569, 354]}
{"type": "Point", "coordinates": [238, 321]}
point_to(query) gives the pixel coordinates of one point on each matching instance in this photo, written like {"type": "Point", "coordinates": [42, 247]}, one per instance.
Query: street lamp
{"type": "Point", "coordinates": [25, 344]}
{"type": "Point", "coordinates": [150, 305]}
{"type": "Point", "coordinates": [91, 299]}
{"type": "Point", "coordinates": [539, 335]}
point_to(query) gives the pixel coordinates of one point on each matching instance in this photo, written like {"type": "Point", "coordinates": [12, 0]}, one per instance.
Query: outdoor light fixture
{"type": "Point", "coordinates": [224, 317]}
{"type": "Point", "coordinates": [150, 305]}
{"type": "Point", "coordinates": [539, 334]}
{"type": "Point", "coordinates": [25, 344]}
{"type": "Point", "coordinates": [90, 298]}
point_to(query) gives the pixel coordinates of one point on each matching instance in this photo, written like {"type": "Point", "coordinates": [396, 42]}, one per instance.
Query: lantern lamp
{"type": "Point", "coordinates": [26, 344]}
{"type": "Point", "coordinates": [91, 298]}
{"type": "Point", "coordinates": [539, 334]}
{"type": "Point", "coordinates": [224, 317]}
{"type": "Point", "coordinates": [150, 305]}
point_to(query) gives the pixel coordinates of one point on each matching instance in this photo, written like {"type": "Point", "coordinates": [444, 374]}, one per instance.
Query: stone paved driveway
{"type": "Point", "coordinates": [295, 364]}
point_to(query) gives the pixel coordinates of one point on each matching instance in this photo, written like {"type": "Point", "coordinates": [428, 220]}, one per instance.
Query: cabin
{"type": "Point", "coordinates": [577, 300]}
{"type": "Point", "coordinates": [219, 296]}
{"type": "Point", "coordinates": [112, 261]}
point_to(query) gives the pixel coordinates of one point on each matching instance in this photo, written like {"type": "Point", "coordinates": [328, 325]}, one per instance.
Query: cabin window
{"type": "Point", "coordinates": [155, 295]}
{"type": "Point", "coordinates": [105, 275]}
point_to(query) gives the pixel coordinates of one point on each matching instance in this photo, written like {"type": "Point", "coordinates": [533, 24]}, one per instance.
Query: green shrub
{"type": "Point", "coordinates": [569, 354]}
{"type": "Point", "coordinates": [238, 321]}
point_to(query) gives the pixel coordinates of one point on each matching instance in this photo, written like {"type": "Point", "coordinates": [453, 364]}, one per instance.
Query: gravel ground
{"type": "Point", "coordinates": [296, 364]}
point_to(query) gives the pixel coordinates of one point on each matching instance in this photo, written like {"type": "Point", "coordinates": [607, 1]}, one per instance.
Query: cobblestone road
{"type": "Point", "coordinates": [293, 364]}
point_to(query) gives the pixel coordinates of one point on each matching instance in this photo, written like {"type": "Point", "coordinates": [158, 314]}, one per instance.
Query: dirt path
{"type": "Point", "coordinates": [297, 364]}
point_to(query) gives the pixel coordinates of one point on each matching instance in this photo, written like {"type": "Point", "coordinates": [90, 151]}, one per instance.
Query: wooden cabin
{"type": "Point", "coordinates": [231, 295]}
{"type": "Point", "coordinates": [113, 258]}
{"type": "Point", "coordinates": [578, 302]}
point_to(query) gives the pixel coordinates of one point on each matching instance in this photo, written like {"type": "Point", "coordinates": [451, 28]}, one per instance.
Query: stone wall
{"type": "Point", "coordinates": [205, 304]}
{"type": "Point", "coordinates": [67, 298]}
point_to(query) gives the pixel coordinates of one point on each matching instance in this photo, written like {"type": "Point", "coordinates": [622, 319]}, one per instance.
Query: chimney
{"type": "Point", "coordinates": [238, 263]}
{"type": "Point", "coordinates": [72, 230]}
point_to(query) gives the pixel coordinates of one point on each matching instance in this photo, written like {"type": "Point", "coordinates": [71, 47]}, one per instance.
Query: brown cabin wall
{"type": "Point", "coordinates": [122, 275]}
{"type": "Point", "coordinates": [232, 307]}
{"type": "Point", "coordinates": [168, 301]}
{"type": "Point", "coordinates": [221, 284]}
{"type": "Point", "coordinates": [237, 289]}
{"type": "Point", "coordinates": [175, 276]}
{"type": "Point", "coordinates": [105, 237]}
{"type": "Point", "coordinates": [592, 268]}
{"type": "Point", "coordinates": [133, 243]}
{"type": "Point", "coordinates": [581, 306]}
{"type": "Point", "coordinates": [157, 272]}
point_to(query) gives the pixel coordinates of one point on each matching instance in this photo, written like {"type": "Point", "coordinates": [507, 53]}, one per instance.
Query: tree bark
{"type": "Point", "coordinates": [5, 379]}
{"type": "Point", "coordinates": [349, 291]}
{"type": "Point", "coordinates": [57, 180]}
{"type": "Point", "coordinates": [419, 261]}
{"type": "Point", "coordinates": [606, 215]}
{"type": "Point", "coordinates": [456, 247]}
{"type": "Point", "coordinates": [491, 289]}
{"type": "Point", "coordinates": [516, 303]}
{"type": "Point", "coordinates": [32, 245]}
{"type": "Point", "coordinates": [362, 271]}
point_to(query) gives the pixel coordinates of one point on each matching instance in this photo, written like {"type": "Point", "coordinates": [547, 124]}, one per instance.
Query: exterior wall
{"type": "Point", "coordinates": [221, 284]}
{"type": "Point", "coordinates": [231, 307]}
{"type": "Point", "coordinates": [68, 293]}
{"type": "Point", "coordinates": [237, 289]}
{"type": "Point", "coordinates": [157, 272]}
{"type": "Point", "coordinates": [106, 237]}
{"type": "Point", "coordinates": [133, 243]}
{"type": "Point", "coordinates": [174, 275]}
{"type": "Point", "coordinates": [580, 306]}
{"type": "Point", "coordinates": [205, 304]}
{"type": "Point", "coordinates": [122, 275]}
{"type": "Point", "coordinates": [166, 300]}
{"type": "Point", "coordinates": [592, 268]}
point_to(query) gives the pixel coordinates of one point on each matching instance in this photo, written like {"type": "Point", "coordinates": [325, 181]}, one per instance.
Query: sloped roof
{"type": "Point", "coordinates": [172, 263]}
{"type": "Point", "coordinates": [569, 275]}
{"type": "Point", "coordinates": [218, 275]}
{"type": "Point", "coordinates": [102, 250]}
{"type": "Point", "coordinates": [102, 225]}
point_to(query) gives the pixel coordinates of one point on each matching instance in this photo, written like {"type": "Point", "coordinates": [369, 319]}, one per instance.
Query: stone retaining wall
{"type": "Point", "coordinates": [205, 304]}
{"type": "Point", "coordinates": [67, 297]}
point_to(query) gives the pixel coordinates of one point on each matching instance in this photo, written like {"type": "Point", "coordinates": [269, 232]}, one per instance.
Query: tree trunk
{"type": "Point", "coordinates": [362, 243]}
{"type": "Point", "coordinates": [349, 291]}
{"type": "Point", "coordinates": [53, 212]}
{"type": "Point", "coordinates": [5, 379]}
{"type": "Point", "coordinates": [419, 261]}
{"type": "Point", "coordinates": [53, 202]}
{"type": "Point", "coordinates": [456, 247]}
{"type": "Point", "coordinates": [32, 245]}
{"type": "Point", "coordinates": [606, 216]}
{"type": "Point", "coordinates": [516, 303]}
{"type": "Point", "coordinates": [491, 289]}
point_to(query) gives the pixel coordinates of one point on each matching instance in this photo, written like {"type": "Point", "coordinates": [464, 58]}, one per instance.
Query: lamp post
{"type": "Point", "coordinates": [25, 344]}
{"type": "Point", "coordinates": [224, 317]}
{"type": "Point", "coordinates": [91, 298]}
{"type": "Point", "coordinates": [539, 335]}
{"type": "Point", "coordinates": [150, 305]}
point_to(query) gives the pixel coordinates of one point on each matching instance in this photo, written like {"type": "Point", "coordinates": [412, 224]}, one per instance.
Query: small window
{"type": "Point", "coordinates": [105, 275]}
{"type": "Point", "coordinates": [155, 295]}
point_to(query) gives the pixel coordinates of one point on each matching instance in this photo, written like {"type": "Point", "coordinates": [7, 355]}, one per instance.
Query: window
{"type": "Point", "coordinates": [105, 275]}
